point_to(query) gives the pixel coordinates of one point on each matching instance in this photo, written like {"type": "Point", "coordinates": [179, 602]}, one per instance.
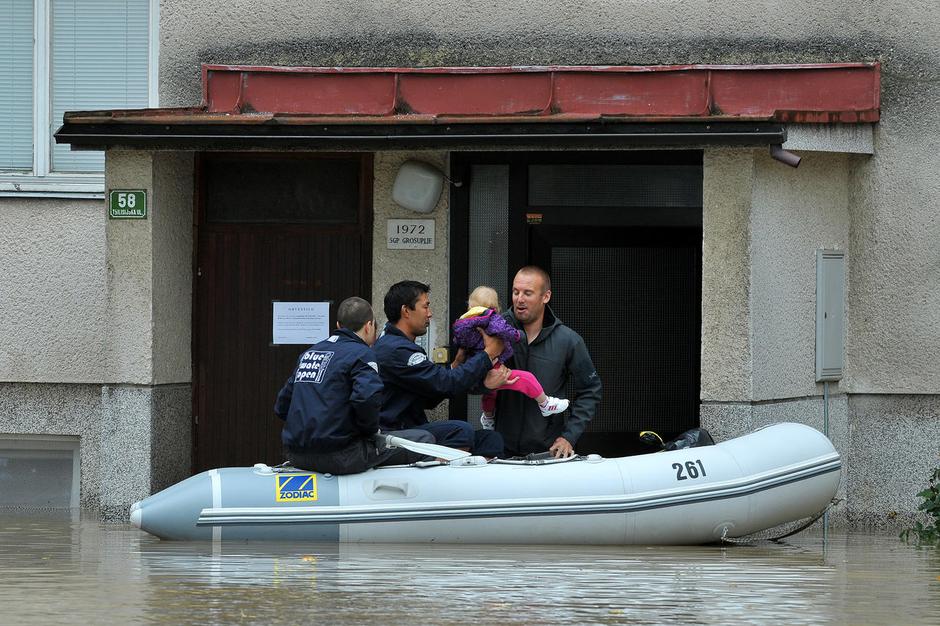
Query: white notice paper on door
{"type": "Point", "coordinates": [303, 323]}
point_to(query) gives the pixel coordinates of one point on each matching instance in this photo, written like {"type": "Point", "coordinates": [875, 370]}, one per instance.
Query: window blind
{"type": "Point", "coordinates": [99, 61]}
{"type": "Point", "coordinates": [16, 85]}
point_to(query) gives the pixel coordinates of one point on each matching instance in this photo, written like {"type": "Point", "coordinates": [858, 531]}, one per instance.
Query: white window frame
{"type": "Point", "coordinates": [42, 182]}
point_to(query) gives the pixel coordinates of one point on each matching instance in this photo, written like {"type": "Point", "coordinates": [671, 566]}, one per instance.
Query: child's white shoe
{"type": "Point", "coordinates": [553, 405]}
{"type": "Point", "coordinates": [487, 422]}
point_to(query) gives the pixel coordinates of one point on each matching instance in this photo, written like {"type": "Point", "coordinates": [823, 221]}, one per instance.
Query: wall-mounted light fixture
{"type": "Point", "coordinates": [418, 186]}
{"type": "Point", "coordinates": [784, 156]}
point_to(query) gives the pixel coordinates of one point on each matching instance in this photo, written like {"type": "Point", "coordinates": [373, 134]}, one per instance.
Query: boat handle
{"type": "Point", "coordinates": [399, 487]}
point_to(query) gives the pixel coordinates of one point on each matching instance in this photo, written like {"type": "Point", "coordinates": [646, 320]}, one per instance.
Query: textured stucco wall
{"type": "Point", "coordinates": [793, 212]}
{"type": "Point", "coordinates": [727, 184]}
{"type": "Point", "coordinates": [893, 443]}
{"type": "Point", "coordinates": [146, 443]}
{"type": "Point", "coordinates": [172, 223]}
{"type": "Point", "coordinates": [894, 257]}
{"type": "Point", "coordinates": [52, 290]}
{"type": "Point", "coordinates": [149, 279]}
{"type": "Point", "coordinates": [129, 282]}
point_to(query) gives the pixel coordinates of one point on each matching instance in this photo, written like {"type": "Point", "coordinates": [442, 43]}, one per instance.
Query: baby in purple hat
{"type": "Point", "coordinates": [484, 313]}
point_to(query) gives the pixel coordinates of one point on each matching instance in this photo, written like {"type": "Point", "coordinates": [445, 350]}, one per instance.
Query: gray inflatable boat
{"type": "Point", "coordinates": [772, 476]}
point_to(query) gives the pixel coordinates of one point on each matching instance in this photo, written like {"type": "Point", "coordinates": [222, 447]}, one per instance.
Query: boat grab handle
{"type": "Point", "coordinates": [383, 489]}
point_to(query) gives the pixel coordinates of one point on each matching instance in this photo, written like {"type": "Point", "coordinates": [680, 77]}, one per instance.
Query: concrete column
{"type": "Point", "coordinates": [146, 425]}
{"type": "Point", "coordinates": [726, 290]}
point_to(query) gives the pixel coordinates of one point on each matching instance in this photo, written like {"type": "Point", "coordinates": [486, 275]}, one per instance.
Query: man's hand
{"type": "Point", "coordinates": [459, 358]}
{"type": "Point", "coordinates": [493, 346]}
{"type": "Point", "coordinates": [497, 377]}
{"type": "Point", "coordinates": [561, 449]}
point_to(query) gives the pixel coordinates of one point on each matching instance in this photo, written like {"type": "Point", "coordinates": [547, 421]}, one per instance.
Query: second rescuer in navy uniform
{"type": "Point", "coordinates": [413, 383]}
{"type": "Point", "coordinates": [330, 403]}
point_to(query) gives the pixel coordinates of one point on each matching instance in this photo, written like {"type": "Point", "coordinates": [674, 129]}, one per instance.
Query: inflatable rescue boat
{"type": "Point", "coordinates": [775, 475]}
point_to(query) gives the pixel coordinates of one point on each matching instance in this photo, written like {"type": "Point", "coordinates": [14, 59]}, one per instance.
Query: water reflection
{"type": "Point", "coordinates": [72, 570]}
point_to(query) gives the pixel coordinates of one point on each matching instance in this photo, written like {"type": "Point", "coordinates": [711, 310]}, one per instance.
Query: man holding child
{"type": "Point", "coordinates": [555, 354]}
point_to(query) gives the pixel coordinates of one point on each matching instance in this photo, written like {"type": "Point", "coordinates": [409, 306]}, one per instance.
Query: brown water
{"type": "Point", "coordinates": [62, 570]}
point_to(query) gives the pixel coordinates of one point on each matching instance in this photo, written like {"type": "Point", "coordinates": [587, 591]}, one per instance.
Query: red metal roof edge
{"type": "Point", "coordinates": [206, 68]}
{"type": "Point", "coordinates": [817, 93]}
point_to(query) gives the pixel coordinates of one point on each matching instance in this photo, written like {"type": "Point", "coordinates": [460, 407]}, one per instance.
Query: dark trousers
{"type": "Point", "coordinates": [457, 434]}
{"type": "Point", "coordinates": [360, 455]}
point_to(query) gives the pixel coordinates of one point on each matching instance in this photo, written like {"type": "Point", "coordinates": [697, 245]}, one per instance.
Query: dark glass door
{"type": "Point", "coordinates": [620, 233]}
{"type": "Point", "coordinates": [634, 295]}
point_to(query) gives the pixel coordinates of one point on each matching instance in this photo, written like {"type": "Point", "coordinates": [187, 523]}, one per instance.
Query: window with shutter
{"type": "Point", "coordinates": [67, 55]}
{"type": "Point", "coordinates": [16, 85]}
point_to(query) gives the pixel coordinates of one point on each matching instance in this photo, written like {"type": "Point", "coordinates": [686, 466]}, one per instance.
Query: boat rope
{"type": "Point", "coordinates": [537, 459]}
{"type": "Point", "coordinates": [759, 536]}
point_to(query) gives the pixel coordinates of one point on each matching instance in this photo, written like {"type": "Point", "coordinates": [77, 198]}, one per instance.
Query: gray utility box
{"type": "Point", "coordinates": [830, 314]}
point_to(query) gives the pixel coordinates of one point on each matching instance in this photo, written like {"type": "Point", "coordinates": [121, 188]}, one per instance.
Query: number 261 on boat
{"type": "Point", "coordinates": [689, 470]}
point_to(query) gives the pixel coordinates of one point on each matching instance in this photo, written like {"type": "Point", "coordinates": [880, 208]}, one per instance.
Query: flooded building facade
{"type": "Point", "coordinates": [627, 149]}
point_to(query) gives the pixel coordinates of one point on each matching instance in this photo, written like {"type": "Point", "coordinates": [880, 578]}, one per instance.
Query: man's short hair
{"type": "Point", "coordinates": [538, 271]}
{"type": "Point", "coordinates": [353, 313]}
{"type": "Point", "coordinates": [405, 293]}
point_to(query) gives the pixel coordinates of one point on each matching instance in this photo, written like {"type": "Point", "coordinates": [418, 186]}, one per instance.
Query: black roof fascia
{"type": "Point", "coordinates": [91, 136]}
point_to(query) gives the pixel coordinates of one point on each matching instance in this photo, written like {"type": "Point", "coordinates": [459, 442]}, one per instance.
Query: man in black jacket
{"type": "Point", "coordinates": [555, 354]}
{"type": "Point", "coordinates": [330, 403]}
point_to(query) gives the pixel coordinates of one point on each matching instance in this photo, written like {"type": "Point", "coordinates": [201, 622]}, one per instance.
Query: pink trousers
{"type": "Point", "coordinates": [526, 384]}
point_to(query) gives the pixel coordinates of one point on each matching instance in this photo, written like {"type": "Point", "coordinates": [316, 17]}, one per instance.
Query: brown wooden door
{"type": "Point", "coordinates": [269, 228]}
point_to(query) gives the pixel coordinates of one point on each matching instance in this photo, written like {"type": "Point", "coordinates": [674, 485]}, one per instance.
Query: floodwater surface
{"type": "Point", "coordinates": [65, 570]}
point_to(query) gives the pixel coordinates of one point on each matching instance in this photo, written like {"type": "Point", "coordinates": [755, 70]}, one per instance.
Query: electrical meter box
{"type": "Point", "coordinates": [830, 314]}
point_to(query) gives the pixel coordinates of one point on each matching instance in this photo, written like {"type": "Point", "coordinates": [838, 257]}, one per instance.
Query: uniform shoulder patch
{"type": "Point", "coordinates": [373, 365]}
{"type": "Point", "coordinates": [416, 358]}
{"type": "Point", "coordinates": [333, 338]}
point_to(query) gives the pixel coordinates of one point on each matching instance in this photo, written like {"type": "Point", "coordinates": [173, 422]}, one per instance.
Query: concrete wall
{"type": "Point", "coordinates": [893, 256]}
{"type": "Point", "coordinates": [129, 284]}
{"type": "Point", "coordinates": [150, 267]}
{"type": "Point", "coordinates": [728, 181]}
{"type": "Point", "coordinates": [172, 287]}
{"type": "Point", "coordinates": [793, 213]}
{"type": "Point", "coordinates": [762, 225]}
{"type": "Point", "coordinates": [107, 303]}
{"type": "Point", "coordinates": [52, 290]}
{"type": "Point", "coordinates": [147, 407]}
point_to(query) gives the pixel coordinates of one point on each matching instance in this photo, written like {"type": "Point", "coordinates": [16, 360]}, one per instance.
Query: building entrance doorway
{"type": "Point", "coordinates": [288, 228]}
{"type": "Point", "coordinates": [620, 234]}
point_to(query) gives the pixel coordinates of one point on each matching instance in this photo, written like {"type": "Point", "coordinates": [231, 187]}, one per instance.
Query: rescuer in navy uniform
{"type": "Point", "coordinates": [413, 383]}
{"type": "Point", "coordinates": [330, 403]}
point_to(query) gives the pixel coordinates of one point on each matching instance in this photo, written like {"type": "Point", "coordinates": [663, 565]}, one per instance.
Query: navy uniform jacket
{"type": "Point", "coordinates": [333, 396]}
{"type": "Point", "coordinates": [413, 383]}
